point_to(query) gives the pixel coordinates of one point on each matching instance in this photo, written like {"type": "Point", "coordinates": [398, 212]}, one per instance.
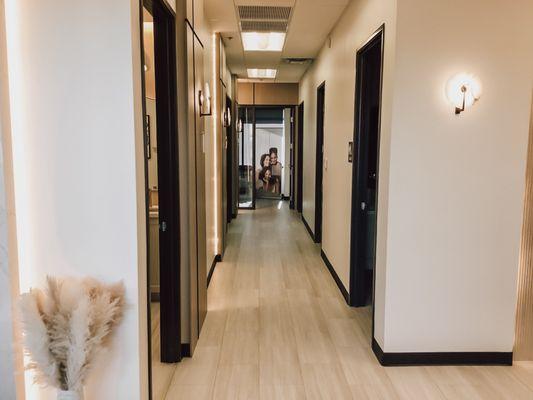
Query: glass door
{"type": "Point", "coordinates": [246, 138]}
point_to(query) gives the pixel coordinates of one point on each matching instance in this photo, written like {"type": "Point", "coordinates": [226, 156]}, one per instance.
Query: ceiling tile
{"type": "Point", "coordinates": [310, 23]}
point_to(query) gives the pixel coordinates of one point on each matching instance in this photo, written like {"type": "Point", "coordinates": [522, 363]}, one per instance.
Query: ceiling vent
{"type": "Point", "coordinates": [297, 60]}
{"type": "Point", "coordinates": [264, 26]}
{"type": "Point", "coordinates": [264, 13]}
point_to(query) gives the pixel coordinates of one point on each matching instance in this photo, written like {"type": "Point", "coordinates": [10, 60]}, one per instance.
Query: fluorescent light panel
{"type": "Point", "coordinates": [262, 73]}
{"type": "Point", "coordinates": [263, 41]}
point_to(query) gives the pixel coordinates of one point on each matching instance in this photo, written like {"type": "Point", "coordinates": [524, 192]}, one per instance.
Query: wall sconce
{"type": "Point", "coordinates": [204, 100]}
{"type": "Point", "coordinates": [463, 90]}
{"type": "Point", "coordinates": [226, 118]}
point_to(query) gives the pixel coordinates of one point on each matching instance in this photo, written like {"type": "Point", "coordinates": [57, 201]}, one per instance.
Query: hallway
{"type": "Point", "coordinates": [278, 328]}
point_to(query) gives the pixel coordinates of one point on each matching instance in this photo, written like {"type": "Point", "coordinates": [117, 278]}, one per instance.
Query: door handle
{"type": "Point", "coordinates": [163, 226]}
{"type": "Point", "coordinates": [363, 205]}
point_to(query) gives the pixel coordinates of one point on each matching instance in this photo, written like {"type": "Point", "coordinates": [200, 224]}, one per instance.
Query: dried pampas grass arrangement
{"type": "Point", "coordinates": [65, 327]}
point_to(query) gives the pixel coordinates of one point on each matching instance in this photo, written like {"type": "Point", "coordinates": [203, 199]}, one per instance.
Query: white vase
{"type": "Point", "coordinates": [69, 395]}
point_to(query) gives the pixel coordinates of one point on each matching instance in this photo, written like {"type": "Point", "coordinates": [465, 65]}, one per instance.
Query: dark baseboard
{"type": "Point", "coordinates": [308, 229]}
{"type": "Point", "coordinates": [154, 297]}
{"type": "Point", "coordinates": [185, 349]}
{"type": "Point", "coordinates": [335, 277]}
{"type": "Point", "coordinates": [217, 259]}
{"type": "Point", "coordinates": [452, 358]}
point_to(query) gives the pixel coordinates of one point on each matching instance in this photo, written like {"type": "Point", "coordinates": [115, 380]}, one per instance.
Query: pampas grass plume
{"type": "Point", "coordinates": [65, 327]}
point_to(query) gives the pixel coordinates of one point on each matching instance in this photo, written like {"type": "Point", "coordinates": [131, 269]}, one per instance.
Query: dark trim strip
{"type": "Point", "coordinates": [194, 32]}
{"type": "Point", "coordinates": [155, 297]}
{"type": "Point", "coordinates": [216, 259]}
{"type": "Point", "coordinates": [267, 105]}
{"type": "Point", "coordinates": [185, 349]}
{"type": "Point", "coordinates": [335, 277]}
{"type": "Point", "coordinates": [451, 358]}
{"type": "Point", "coordinates": [308, 228]}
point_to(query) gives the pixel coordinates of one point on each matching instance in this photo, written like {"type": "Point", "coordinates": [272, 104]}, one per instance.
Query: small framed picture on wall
{"type": "Point", "coordinates": [147, 142]}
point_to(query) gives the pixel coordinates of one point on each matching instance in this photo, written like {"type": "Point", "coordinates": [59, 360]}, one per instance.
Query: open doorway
{"type": "Point", "coordinates": [273, 126]}
{"type": "Point", "coordinates": [162, 186]}
{"type": "Point", "coordinates": [365, 170]}
{"type": "Point", "coordinates": [320, 105]}
{"type": "Point", "coordinates": [265, 154]}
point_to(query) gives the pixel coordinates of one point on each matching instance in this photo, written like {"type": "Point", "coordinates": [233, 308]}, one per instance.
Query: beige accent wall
{"type": "Point", "coordinates": [524, 313]}
{"type": "Point", "coordinates": [209, 66]}
{"type": "Point", "coordinates": [149, 61]}
{"type": "Point", "coordinates": [260, 93]}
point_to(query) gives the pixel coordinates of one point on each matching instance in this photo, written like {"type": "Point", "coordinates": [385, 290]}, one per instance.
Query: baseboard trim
{"type": "Point", "coordinates": [308, 228]}
{"type": "Point", "coordinates": [216, 259]}
{"type": "Point", "coordinates": [185, 349]}
{"type": "Point", "coordinates": [450, 358]}
{"type": "Point", "coordinates": [335, 277]}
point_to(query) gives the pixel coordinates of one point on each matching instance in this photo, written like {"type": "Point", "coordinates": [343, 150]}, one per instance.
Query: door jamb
{"type": "Point", "coordinates": [171, 102]}
{"type": "Point", "coordinates": [379, 33]}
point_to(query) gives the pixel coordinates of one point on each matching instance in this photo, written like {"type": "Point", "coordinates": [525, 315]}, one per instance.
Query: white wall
{"type": "Point", "coordinates": [336, 66]}
{"type": "Point", "coordinates": [78, 163]}
{"type": "Point", "coordinates": [457, 182]}
{"type": "Point", "coordinates": [10, 352]}
{"type": "Point", "coordinates": [451, 187]}
{"type": "Point", "coordinates": [7, 359]}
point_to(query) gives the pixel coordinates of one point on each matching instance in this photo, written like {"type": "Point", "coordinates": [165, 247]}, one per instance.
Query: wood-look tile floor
{"type": "Point", "coordinates": [278, 328]}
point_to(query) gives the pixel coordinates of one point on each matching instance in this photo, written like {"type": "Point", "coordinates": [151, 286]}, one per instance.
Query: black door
{"type": "Point", "coordinates": [168, 173]}
{"type": "Point", "coordinates": [300, 160]}
{"type": "Point", "coordinates": [229, 163]}
{"type": "Point", "coordinates": [319, 160]}
{"type": "Point", "coordinates": [291, 163]}
{"type": "Point", "coordinates": [365, 170]}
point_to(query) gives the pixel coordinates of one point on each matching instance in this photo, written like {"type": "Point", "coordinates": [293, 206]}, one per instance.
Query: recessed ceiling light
{"type": "Point", "coordinates": [261, 73]}
{"type": "Point", "coordinates": [263, 41]}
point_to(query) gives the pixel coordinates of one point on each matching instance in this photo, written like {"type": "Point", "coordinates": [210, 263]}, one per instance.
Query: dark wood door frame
{"type": "Point", "coordinates": [300, 155]}
{"type": "Point", "coordinates": [168, 179]}
{"type": "Point", "coordinates": [265, 106]}
{"type": "Point", "coordinates": [320, 108]}
{"type": "Point", "coordinates": [253, 108]}
{"type": "Point", "coordinates": [358, 290]}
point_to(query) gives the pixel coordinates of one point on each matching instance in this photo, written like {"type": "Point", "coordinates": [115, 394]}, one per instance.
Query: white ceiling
{"type": "Point", "coordinates": [309, 25]}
